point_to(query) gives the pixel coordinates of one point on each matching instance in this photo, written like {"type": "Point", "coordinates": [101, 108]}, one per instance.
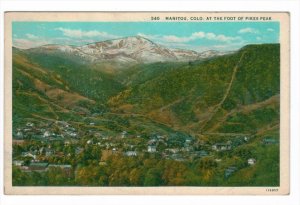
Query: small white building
{"type": "Point", "coordinates": [29, 124]}
{"type": "Point", "coordinates": [130, 153]}
{"type": "Point", "coordinates": [172, 150]}
{"type": "Point", "coordinates": [18, 162]}
{"type": "Point", "coordinates": [47, 134]}
{"type": "Point", "coordinates": [73, 134]}
{"type": "Point", "coordinates": [251, 161]}
{"type": "Point", "coordinates": [19, 134]}
{"type": "Point", "coordinates": [218, 160]}
{"type": "Point", "coordinates": [28, 154]}
{"type": "Point", "coordinates": [221, 147]}
{"type": "Point", "coordinates": [151, 148]}
{"type": "Point", "coordinates": [124, 133]}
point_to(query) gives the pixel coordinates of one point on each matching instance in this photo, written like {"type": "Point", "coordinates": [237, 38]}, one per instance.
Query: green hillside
{"type": "Point", "coordinates": [199, 95]}
{"type": "Point", "coordinates": [183, 108]}
{"type": "Point", "coordinates": [81, 76]}
{"type": "Point", "coordinates": [39, 93]}
{"type": "Point", "coordinates": [73, 94]}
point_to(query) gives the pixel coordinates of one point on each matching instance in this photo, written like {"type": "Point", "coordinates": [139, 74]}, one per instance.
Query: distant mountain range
{"type": "Point", "coordinates": [129, 50]}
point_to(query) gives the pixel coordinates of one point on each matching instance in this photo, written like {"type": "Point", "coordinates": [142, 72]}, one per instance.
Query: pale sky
{"type": "Point", "coordinates": [198, 36]}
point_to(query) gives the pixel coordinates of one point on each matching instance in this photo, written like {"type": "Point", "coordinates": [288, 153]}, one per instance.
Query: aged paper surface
{"type": "Point", "coordinates": [124, 126]}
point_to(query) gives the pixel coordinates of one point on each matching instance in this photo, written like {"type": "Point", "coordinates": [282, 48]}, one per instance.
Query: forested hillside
{"type": "Point", "coordinates": [203, 122]}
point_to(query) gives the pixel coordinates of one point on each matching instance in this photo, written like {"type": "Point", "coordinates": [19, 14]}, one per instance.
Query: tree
{"type": "Point", "coordinates": [153, 177]}
{"type": "Point", "coordinates": [19, 178]}
{"type": "Point", "coordinates": [136, 177]}
{"type": "Point", "coordinates": [89, 175]}
{"type": "Point", "coordinates": [90, 155]}
{"type": "Point", "coordinates": [57, 176]}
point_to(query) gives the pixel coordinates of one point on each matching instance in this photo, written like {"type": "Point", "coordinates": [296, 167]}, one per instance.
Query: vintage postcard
{"type": "Point", "coordinates": [147, 103]}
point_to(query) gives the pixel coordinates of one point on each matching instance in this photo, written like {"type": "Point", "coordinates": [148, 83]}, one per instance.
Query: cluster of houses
{"type": "Point", "coordinates": [51, 131]}
{"type": "Point", "coordinates": [42, 167]}
{"type": "Point", "coordinates": [174, 146]}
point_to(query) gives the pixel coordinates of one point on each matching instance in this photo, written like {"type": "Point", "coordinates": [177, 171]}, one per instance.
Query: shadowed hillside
{"type": "Point", "coordinates": [200, 95]}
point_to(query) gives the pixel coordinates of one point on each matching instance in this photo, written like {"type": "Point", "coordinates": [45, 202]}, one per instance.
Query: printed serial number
{"type": "Point", "coordinates": [155, 18]}
{"type": "Point", "coordinates": [272, 190]}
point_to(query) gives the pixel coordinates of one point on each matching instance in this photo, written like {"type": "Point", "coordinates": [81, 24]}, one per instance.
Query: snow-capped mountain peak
{"type": "Point", "coordinates": [133, 49]}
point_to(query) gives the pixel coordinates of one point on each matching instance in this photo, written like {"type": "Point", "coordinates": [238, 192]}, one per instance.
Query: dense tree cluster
{"type": "Point", "coordinates": [151, 170]}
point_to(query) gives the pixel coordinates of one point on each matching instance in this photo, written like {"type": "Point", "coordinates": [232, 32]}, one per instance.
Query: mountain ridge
{"type": "Point", "coordinates": [127, 50]}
